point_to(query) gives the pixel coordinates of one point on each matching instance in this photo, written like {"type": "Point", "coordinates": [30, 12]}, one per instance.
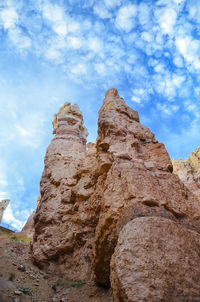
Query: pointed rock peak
{"type": "Point", "coordinates": [112, 92]}
{"type": "Point", "coordinates": [113, 101]}
{"type": "Point", "coordinates": [69, 121]}
{"type": "Point", "coordinates": [197, 152]}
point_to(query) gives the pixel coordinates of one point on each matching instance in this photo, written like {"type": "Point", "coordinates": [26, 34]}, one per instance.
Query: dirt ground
{"type": "Point", "coordinates": [21, 281]}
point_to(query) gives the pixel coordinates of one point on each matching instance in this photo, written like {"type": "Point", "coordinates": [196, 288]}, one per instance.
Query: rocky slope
{"type": "Point", "coordinates": [117, 199]}
{"type": "Point", "coordinates": [21, 281]}
{"type": "Point", "coordinates": [189, 171]}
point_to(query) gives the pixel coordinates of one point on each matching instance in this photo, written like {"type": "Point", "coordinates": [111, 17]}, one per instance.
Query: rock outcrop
{"type": "Point", "coordinates": [189, 171]}
{"type": "Point", "coordinates": [3, 205]}
{"type": "Point", "coordinates": [92, 195]}
{"type": "Point", "coordinates": [156, 260]}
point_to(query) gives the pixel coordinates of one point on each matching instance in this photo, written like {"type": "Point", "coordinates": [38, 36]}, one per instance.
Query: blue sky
{"type": "Point", "coordinates": [72, 50]}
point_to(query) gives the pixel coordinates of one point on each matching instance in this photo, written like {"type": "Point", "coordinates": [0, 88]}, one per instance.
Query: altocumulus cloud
{"type": "Point", "coordinates": [52, 50]}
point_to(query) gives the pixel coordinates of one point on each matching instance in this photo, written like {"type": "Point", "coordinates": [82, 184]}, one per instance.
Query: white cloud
{"type": "Point", "coordinates": [29, 130]}
{"type": "Point", "coordinates": [55, 15]}
{"type": "Point", "coordinates": [167, 20]}
{"type": "Point", "coordinates": [112, 3]}
{"type": "Point", "coordinates": [136, 99]}
{"type": "Point", "coordinates": [79, 69]}
{"type": "Point", "coordinates": [75, 42]}
{"type": "Point", "coordinates": [100, 68]}
{"type": "Point", "coordinates": [144, 15]}
{"type": "Point", "coordinates": [167, 109]}
{"type": "Point", "coordinates": [19, 39]}
{"type": "Point", "coordinates": [9, 17]}
{"type": "Point", "coordinates": [101, 10]}
{"type": "Point", "coordinates": [125, 19]}
{"type": "Point", "coordinates": [95, 44]}
{"type": "Point", "coordinates": [8, 218]}
{"type": "Point", "coordinates": [147, 36]}
{"type": "Point", "coordinates": [189, 48]}
{"type": "Point", "coordinates": [178, 61]}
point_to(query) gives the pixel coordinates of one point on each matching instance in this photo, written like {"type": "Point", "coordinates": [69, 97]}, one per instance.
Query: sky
{"type": "Point", "coordinates": [72, 50]}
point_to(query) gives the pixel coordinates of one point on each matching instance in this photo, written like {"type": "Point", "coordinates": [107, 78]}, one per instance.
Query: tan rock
{"type": "Point", "coordinates": [138, 180]}
{"type": "Point", "coordinates": [189, 171]}
{"type": "Point", "coordinates": [28, 228]}
{"type": "Point", "coordinates": [65, 220]}
{"type": "Point", "coordinates": [89, 193]}
{"type": "Point", "coordinates": [3, 205]}
{"type": "Point", "coordinates": [156, 259]}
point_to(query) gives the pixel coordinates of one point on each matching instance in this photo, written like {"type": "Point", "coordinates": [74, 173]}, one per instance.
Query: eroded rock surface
{"type": "Point", "coordinates": [156, 259]}
{"type": "Point", "coordinates": [89, 194]}
{"type": "Point", "coordinates": [64, 220]}
{"type": "Point", "coordinates": [139, 181]}
{"type": "Point", "coordinates": [189, 171]}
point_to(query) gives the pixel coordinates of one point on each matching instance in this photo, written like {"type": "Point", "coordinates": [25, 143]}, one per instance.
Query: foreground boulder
{"type": "Point", "coordinates": [156, 259]}
{"type": "Point", "coordinates": [90, 194]}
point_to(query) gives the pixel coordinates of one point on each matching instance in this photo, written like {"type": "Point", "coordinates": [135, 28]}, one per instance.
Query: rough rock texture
{"type": "Point", "coordinates": [156, 259]}
{"type": "Point", "coordinates": [139, 180]}
{"type": "Point", "coordinates": [65, 220]}
{"type": "Point", "coordinates": [189, 171]}
{"type": "Point", "coordinates": [3, 205]}
{"type": "Point", "coordinates": [89, 194]}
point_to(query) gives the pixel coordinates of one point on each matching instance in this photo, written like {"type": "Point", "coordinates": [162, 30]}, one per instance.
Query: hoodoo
{"type": "Point", "coordinates": [114, 211]}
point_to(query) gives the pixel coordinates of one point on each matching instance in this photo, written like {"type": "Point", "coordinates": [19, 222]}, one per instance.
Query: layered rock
{"type": "Point", "coordinates": [189, 171]}
{"type": "Point", "coordinates": [64, 220]}
{"type": "Point", "coordinates": [90, 195]}
{"type": "Point", "coordinates": [3, 205]}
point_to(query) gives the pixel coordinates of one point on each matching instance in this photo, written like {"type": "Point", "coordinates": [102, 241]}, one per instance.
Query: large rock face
{"type": "Point", "coordinates": [156, 259]}
{"type": "Point", "coordinates": [189, 171]}
{"type": "Point", "coordinates": [3, 205]}
{"type": "Point", "coordinates": [139, 181]}
{"type": "Point", "coordinates": [89, 196]}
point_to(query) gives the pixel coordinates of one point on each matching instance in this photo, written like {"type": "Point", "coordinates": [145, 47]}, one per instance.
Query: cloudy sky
{"type": "Point", "coordinates": [74, 50]}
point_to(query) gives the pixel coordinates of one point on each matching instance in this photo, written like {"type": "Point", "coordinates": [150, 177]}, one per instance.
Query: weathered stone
{"type": "Point", "coordinates": [189, 171]}
{"type": "Point", "coordinates": [138, 180]}
{"type": "Point", "coordinates": [3, 205]}
{"type": "Point", "coordinates": [90, 193]}
{"type": "Point", "coordinates": [156, 259]}
{"type": "Point", "coordinates": [65, 220]}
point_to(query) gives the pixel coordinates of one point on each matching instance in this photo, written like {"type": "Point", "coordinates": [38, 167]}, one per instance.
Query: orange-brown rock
{"type": "Point", "coordinates": [89, 194]}
{"type": "Point", "coordinates": [156, 259]}
{"type": "Point", "coordinates": [139, 181]}
{"type": "Point", "coordinates": [189, 171]}
{"type": "Point", "coordinates": [65, 219]}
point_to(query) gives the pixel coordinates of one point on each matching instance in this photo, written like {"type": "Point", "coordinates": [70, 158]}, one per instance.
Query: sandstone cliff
{"type": "Point", "coordinates": [3, 205]}
{"type": "Point", "coordinates": [189, 171]}
{"type": "Point", "coordinates": [117, 199]}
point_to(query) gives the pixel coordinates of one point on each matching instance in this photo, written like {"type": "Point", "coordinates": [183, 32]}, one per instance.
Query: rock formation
{"type": "Point", "coordinates": [28, 228]}
{"type": "Point", "coordinates": [3, 205]}
{"type": "Point", "coordinates": [189, 171]}
{"type": "Point", "coordinates": [117, 199]}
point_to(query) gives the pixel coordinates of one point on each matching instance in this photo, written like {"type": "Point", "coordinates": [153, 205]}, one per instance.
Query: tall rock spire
{"type": "Point", "coordinates": [54, 228]}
